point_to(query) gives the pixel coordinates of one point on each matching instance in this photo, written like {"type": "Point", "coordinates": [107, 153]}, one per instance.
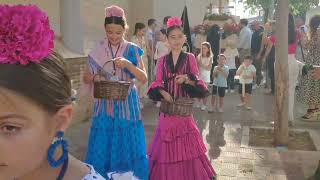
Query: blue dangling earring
{"type": "Point", "coordinates": [59, 140]}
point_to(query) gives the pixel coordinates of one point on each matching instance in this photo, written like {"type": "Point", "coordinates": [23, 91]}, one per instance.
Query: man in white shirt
{"type": "Point", "coordinates": [244, 43]}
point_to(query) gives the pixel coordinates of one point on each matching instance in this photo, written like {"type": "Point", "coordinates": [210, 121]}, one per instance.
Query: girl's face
{"type": "Point", "coordinates": [162, 37]}
{"type": "Point", "coordinates": [142, 32]}
{"type": "Point", "coordinates": [176, 39]}
{"type": "Point", "coordinates": [26, 132]}
{"type": "Point", "coordinates": [247, 62]}
{"type": "Point", "coordinates": [205, 50]}
{"type": "Point", "coordinates": [114, 33]}
{"type": "Point", "coordinates": [222, 60]}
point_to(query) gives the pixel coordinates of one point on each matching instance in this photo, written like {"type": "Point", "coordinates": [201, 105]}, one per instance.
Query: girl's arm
{"type": "Point", "coordinates": [138, 72]}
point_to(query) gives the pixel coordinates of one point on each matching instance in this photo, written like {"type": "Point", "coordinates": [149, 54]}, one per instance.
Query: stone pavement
{"type": "Point", "coordinates": [226, 136]}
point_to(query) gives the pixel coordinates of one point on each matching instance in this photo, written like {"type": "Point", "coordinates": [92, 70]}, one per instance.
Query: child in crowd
{"type": "Point", "coordinates": [205, 60]}
{"type": "Point", "coordinates": [247, 72]}
{"type": "Point", "coordinates": [177, 151]}
{"type": "Point", "coordinates": [220, 75]}
{"type": "Point", "coordinates": [162, 49]}
{"type": "Point", "coordinates": [231, 53]}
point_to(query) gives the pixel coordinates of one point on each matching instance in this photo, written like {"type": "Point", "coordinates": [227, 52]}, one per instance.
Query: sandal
{"type": "Point", "coordinates": [310, 113]}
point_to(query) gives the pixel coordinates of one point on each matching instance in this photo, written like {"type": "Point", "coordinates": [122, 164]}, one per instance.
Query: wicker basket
{"type": "Point", "coordinates": [180, 107]}
{"type": "Point", "coordinates": [106, 89]}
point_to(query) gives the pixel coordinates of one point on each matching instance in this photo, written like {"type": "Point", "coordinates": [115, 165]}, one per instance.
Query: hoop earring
{"type": "Point", "coordinates": [58, 141]}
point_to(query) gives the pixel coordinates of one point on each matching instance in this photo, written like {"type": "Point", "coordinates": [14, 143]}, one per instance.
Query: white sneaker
{"type": "Point", "coordinates": [220, 110]}
{"type": "Point", "coordinates": [249, 108]}
{"type": "Point", "coordinates": [241, 105]}
{"type": "Point", "coordinates": [158, 104]}
{"type": "Point", "coordinates": [198, 106]}
{"type": "Point", "coordinates": [231, 91]}
{"type": "Point", "coordinates": [203, 108]}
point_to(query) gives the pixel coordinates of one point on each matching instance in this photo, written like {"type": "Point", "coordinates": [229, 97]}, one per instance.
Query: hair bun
{"type": "Point", "coordinates": [114, 11]}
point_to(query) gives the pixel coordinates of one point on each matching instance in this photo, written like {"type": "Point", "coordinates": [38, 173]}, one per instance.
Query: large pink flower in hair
{"type": "Point", "coordinates": [25, 34]}
{"type": "Point", "coordinates": [174, 21]}
{"type": "Point", "coordinates": [114, 11]}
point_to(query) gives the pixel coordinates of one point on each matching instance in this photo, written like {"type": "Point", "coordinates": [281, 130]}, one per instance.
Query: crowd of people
{"type": "Point", "coordinates": [36, 107]}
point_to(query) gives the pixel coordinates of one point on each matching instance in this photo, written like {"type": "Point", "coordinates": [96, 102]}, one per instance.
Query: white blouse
{"type": "Point", "coordinates": [162, 49]}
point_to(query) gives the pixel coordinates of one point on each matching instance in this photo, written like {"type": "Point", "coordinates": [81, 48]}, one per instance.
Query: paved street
{"type": "Point", "coordinates": [226, 136]}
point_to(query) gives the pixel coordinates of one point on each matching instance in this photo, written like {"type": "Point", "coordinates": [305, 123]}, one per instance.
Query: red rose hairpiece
{"type": "Point", "coordinates": [114, 11]}
{"type": "Point", "coordinates": [25, 34]}
{"type": "Point", "coordinates": [174, 21]}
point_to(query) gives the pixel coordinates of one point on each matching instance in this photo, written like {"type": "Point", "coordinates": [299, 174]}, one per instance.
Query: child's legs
{"type": "Point", "coordinates": [240, 93]}
{"type": "Point", "coordinates": [248, 94]}
{"type": "Point", "coordinates": [213, 98]}
{"type": "Point", "coordinates": [204, 101]}
{"type": "Point", "coordinates": [233, 74]}
{"type": "Point", "coordinates": [222, 92]}
{"type": "Point", "coordinates": [213, 101]}
{"type": "Point", "coordinates": [248, 99]}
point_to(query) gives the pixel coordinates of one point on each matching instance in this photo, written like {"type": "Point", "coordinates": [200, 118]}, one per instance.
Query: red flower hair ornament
{"type": "Point", "coordinates": [25, 34]}
{"type": "Point", "coordinates": [174, 21]}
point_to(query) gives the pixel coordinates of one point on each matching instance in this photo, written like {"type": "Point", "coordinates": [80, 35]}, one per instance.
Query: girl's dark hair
{"type": "Point", "coordinates": [248, 57]}
{"type": "Point", "coordinates": [138, 27]}
{"type": "Point", "coordinates": [291, 30]}
{"type": "Point", "coordinates": [46, 84]}
{"type": "Point", "coordinates": [116, 20]}
{"type": "Point", "coordinates": [173, 28]}
{"type": "Point", "coordinates": [151, 22]}
{"type": "Point", "coordinates": [165, 19]}
{"type": "Point", "coordinates": [314, 24]}
{"type": "Point", "coordinates": [163, 31]}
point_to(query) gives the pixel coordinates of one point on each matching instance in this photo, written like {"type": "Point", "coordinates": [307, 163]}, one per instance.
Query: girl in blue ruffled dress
{"type": "Point", "coordinates": [117, 141]}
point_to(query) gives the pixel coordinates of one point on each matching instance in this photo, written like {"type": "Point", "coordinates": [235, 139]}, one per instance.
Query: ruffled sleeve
{"type": "Point", "coordinates": [133, 54]}
{"type": "Point", "coordinates": [200, 90]}
{"type": "Point", "coordinates": [158, 84]}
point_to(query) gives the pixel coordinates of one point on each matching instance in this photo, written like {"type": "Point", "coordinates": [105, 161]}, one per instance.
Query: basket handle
{"type": "Point", "coordinates": [99, 73]}
{"type": "Point", "coordinates": [114, 65]}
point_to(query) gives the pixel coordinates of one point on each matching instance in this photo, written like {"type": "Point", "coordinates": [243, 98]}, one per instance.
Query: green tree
{"type": "Point", "coordinates": [266, 6]}
{"type": "Point", "coordinates": [298, 7]}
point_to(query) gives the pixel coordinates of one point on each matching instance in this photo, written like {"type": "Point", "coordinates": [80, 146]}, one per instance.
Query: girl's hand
{"type": "Point", "coordinates": [88, 77]}
{"type": "Point", "coordinates": [167, 97]}
{"type": "Point", "coordinates": [180, 79]}
{"type": "Point", "coordinates": [316, 73]}
{"type": "Point", "coordinates": [219, 69]}
{"type": "Point", "coordinates": [121, 62]}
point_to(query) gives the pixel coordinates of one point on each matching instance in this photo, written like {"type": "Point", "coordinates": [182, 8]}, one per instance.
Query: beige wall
{"type": "Point", "coordinates": [50, 6]}
{"type": "Point", "coordinates": [136, 11]}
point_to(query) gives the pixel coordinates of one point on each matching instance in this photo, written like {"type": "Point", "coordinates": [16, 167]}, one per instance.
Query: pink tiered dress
{"type": "Point", "coordinates": [177, 151]}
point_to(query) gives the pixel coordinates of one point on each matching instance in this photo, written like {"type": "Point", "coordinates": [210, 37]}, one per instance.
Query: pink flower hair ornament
{"type": "Point", "coordinates": [114, 11]}
{"type": "Point", "coordinates": [174, 21]}
{"type": "Point", "coordinates": [25, 35]}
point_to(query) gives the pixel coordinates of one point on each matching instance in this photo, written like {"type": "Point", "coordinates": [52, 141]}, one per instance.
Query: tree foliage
{"type": "Point", "coordinates": [298, 7]}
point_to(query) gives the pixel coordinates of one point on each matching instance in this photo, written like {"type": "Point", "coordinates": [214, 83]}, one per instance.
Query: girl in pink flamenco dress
{"type": "Point", "coordinates": [177, 151]}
